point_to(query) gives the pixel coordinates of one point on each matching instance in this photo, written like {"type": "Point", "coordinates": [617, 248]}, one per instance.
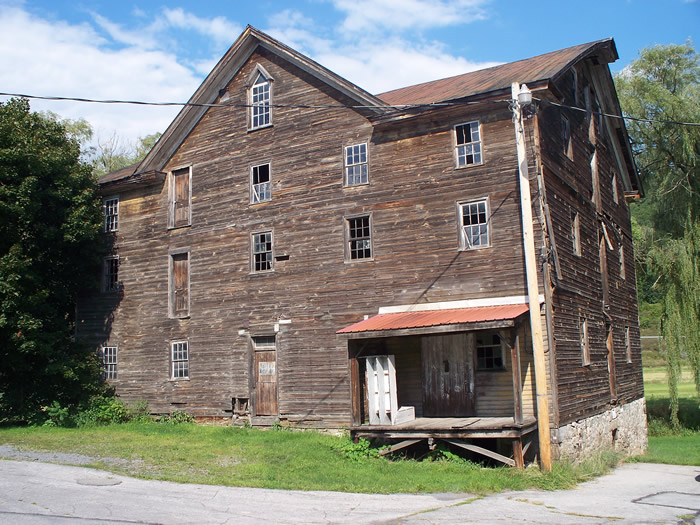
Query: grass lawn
{"type": "Point", "coordinates": [666, 444]}
{"type": "Point", "coordinates": [281, 459]}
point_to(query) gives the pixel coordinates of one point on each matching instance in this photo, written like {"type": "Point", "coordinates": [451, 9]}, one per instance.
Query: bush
{"type": "Point", "coordinates": [104, 410]}
{"type": "Point", "coordinates": [356, 451]}
{"type": "Point", "coordinates": [176, 418]}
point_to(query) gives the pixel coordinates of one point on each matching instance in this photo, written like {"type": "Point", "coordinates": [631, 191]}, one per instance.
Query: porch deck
{"type": "Point", "coordinates": [449, 427]}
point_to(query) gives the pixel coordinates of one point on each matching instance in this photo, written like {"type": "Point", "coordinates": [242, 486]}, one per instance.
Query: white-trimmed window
{"type": "Point", "coordinates": [468, 144]}
{"type": "Point", "coordinates": [474, 224]}
{"type": "Point", "coordinates": [489, 351]}
{"type": "Point", "coordinates": [110, 273]}
{"type": "Point", "coordinates": [356, 165]}
{"type": "Point", "coordinates": [260, 189]}
{"type": "Point", "coordinates": [358, 236]}
{"type": "Point", "coordinates": [576, 233]}
{"type": "Point", "coordinates": [260, 99]}
{"type": "Point", "coordinates": [584, 341]}
{"type": "Point", "coordinates": [566, 137]}
{"type": "Point", "coordinates": [262, 252]}
{"type": "Point", "coordinates": [179, 282]}
{"type": "Point", "coordinates": [111, 213]}
{"type": "Point", "coordinates": [109, 362]}
{"type": "Point", "coordinates": [180, 360]}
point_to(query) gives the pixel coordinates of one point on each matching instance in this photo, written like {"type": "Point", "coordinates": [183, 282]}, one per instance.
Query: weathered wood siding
{"type": "Point", "coordinates": [585, 390]}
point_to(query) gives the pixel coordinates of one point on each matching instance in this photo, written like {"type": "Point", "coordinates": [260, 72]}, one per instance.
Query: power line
{"type": "Point", "coordinates": [338, 106]}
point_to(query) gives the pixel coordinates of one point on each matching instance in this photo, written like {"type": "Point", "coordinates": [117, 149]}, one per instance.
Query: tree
{"type": "Point", "coordinates": [112, 153]}
{"type": "Point", "coordinates": [50, 216]}
{"type": "Point", "coordinates": [663, 87]}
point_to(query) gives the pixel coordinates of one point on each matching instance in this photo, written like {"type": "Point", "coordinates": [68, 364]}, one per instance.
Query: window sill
{"type": "Point", "coordinates": [180, 226]}
{"type": "Point", "coordinates": [178, 379]}
{"type": "Point", "coordinates": [469, 166]}
{"type": "Point", "coordinates": [188, 316]}
{"type": "Point", "coordinates": [365, 259]}
{"type": "Point", "coordinates": [475, 248]}
{"type": "Point", "coordinates": [250, 130]}
{"type": "Point", "coordinates": [350, 186]}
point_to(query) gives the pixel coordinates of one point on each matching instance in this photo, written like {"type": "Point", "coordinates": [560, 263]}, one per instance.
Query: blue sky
{"type": "Point", "coordinates": [161, 51]}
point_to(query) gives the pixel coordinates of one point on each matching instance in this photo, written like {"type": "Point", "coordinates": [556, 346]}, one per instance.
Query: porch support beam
{"type": "Point", "coordinates": [399, 446]}
{"type": "Point", "coordinates": [356, 386]}
{"type": "Point", "coordinates": [518, 454]}
{"type": "Point", "coordinates": [482, 451]}
{"type": "Point", "coordinates": [514, 343]}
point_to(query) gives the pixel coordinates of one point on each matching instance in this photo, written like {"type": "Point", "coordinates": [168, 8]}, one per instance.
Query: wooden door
{"type": "Point", "coordinates": [265, 370]}
{"type": "Point", "coordinates": [181, 197]}
{"type": "Point", "coordinates": [180, 285]}
{"type": "Point", "coordinates": [448, 375]}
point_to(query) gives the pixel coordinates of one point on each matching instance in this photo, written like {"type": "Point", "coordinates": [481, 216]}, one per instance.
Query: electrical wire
{"type": "Point", "coordinates": [343, 106]}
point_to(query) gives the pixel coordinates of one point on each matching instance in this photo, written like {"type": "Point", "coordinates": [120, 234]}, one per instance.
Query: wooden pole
{"type": "Point", "coordinates": [532, 287]}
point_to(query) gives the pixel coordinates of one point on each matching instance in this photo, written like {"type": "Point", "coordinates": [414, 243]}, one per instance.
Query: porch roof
{"type": "Point", "coordinates": [440, 320]}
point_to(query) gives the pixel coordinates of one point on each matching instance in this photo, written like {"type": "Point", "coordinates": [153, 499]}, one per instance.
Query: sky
{"type": "Point", "coordinates": [162, 51]}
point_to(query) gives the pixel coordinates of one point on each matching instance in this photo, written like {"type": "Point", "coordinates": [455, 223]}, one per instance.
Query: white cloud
{"type": "Point", "coordinates": [219, 28]}
{"type": "Point", "coordinates": [54, 58]}
{"type": "Point", "coordinates": [362, 15]}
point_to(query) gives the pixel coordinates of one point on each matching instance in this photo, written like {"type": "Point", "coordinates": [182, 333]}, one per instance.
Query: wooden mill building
{"type": "Point", "coordinates": [296, 249]}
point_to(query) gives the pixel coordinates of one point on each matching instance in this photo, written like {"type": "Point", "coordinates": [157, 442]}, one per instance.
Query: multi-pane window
{"type": "Point", "coordinates": [260, 102]}
{"type": "Point", "coordinates": [359, 238]}
{"type": "Point", "coordinates": [468, 144]}
{"type": "Point", "coordinates": [180, 284]}
{"type": "Point", "coordinates": [110, 274]}
{"type": "Point", "coordinates": [585, 344]}
{"type": "Point", "coordinates": [474, 223]}
{"type": "Point", "coordinates": [180, 359]}
{"type": "Point", "coordinates": [109, 362]}
{"type": "Point", "coordinates": [111, 212]}
{"type": "Point", "coordinates": [262, 252]}
{"type": "Point", "coordinates": [356, 167]}
{"type": "Point", "coordinates": [576, 233]}
{"type": "Point", "coordinates": [260, 183]}
{"type": "Point", "coordinates": [489, 352]}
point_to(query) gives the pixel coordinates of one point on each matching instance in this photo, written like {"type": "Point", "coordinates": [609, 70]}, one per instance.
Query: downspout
{"type": "Point", "coordinates": [532, 287]}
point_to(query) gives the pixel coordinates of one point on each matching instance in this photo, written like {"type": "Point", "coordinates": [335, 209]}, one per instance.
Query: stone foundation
{"type": "Point", "coordinates": [622, 428]}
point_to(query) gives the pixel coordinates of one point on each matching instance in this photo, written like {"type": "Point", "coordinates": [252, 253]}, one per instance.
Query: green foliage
{"type": "Point", "coordinates": [50, 216]}
{"type": "Point", "coordinates": [57, 416]}
{"type": "Point", "coordinates": [104, 410]}
{"type": "Point", "coordinates": [356, 451]}
{"type": "Point", "coordinates": [176, 418]}
{"type": "Point", "coordinates": [112, 153]}
{"type": "Point", "coordinates": [663, 85]}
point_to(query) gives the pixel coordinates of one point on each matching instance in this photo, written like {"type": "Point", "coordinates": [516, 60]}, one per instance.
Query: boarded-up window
{"type": "Point", "coordinates": [180, 359]}
{"type": "Point", "coordinates": [468, 142]}
{"type": "Point", "coordinates": [566, 137]}
{"type": "Point", "coordinates": [111, 214]}
{"type": "Point", "coordinates": [109, 362]}
{"type": "Point", "coordinates": [180, 284]}
{"type": "Point", "coordinates": [585, 344]}
{"type": "Point", "coordinates": [180, 198]}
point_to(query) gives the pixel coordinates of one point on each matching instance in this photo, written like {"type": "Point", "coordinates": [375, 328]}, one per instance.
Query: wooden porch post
{"type": "Point", "coordinates": [514, 343]}
{"type": "Point", "coordinates": [356, 395]}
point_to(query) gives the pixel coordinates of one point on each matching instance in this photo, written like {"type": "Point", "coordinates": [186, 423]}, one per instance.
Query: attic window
{"type": "Point", "coordinates": [260, 102]}
{"type": "Point", "coordinates": [566, 137]}
{"type": "Point", "coordinates": [468, 144]}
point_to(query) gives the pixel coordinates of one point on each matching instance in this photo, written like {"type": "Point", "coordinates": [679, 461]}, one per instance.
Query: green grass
{"type": "Point", "coordinates": [308, 460]}
{"type": "Point", "coordinates": [677, 446]}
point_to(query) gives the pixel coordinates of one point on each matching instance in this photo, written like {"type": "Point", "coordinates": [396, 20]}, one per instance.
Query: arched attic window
{"type": "Point", "coordinates": [260, 98]}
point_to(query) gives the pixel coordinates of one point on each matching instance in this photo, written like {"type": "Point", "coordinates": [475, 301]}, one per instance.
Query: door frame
{"type": "Point", "coordinates": [253, 373]}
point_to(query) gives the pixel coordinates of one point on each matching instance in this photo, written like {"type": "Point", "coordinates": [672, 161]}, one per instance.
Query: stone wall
{"type": "Point", "coordinates": [622, 428]}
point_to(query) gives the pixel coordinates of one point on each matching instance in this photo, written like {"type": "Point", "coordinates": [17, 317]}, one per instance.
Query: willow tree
{"type": "Point", "coordinates": [662, 89]}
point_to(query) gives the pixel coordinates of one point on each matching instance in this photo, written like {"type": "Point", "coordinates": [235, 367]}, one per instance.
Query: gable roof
{"type": "Point", "coordinates": [221, 75]}
{"type": "Point", "coordinates": [530, 71]}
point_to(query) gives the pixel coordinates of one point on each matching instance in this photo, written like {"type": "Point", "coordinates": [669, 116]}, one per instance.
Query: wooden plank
{"type": "Point", "coordinates": [513, 343]}
{"type": "Point", "coordinates": [483, 452]}
{"type": "Point", "coordinates": [518, 456]}
{"type": "Point", "coordinates": [399, 446]}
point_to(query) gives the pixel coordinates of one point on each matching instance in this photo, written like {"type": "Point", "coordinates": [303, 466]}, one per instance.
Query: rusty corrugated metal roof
{"type": "Point", "coordinates": [527, 71]}
{"type": "Point", "coordinates": [426, 318]}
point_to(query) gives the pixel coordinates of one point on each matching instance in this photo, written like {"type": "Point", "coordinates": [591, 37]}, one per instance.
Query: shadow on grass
{"type": "Point", "coordinates": [658, 415]}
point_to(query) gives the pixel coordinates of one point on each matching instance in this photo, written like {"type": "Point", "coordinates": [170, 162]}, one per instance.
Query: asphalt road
{"type": "Point", "coordinates": [38, 493]}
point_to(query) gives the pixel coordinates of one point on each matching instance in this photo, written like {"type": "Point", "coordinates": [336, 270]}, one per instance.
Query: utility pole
{"type": "Point", "coordinates": [533, 292]}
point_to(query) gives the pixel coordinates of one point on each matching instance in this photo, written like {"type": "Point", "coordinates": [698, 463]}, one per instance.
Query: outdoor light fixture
{"type": "Point", "coordinates": [525, 96]}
